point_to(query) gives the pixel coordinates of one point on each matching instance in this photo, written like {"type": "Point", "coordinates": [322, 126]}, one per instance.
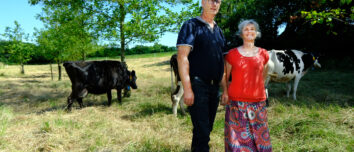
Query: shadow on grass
{"type": "Point", "coordinates": [149, 109]}
{"type": "Point", "coordinates": [51, 109]}
{"type": "Point", "coordinates": [30, 81]}
{"type": "Point", "coordinates": [325, 88]}
{"type": "Point", "coordinates": [26, 97]}
{"type": "Point", "coordinates": [46, 75]}
{"type": "Point", "coordinates": [162, 63]}
{"type": "Point", "coordinates": [87, 102]}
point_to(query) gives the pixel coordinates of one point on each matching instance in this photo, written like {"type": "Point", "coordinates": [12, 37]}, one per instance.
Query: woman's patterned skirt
{"type": "Point", "coordinates": [246, 127]}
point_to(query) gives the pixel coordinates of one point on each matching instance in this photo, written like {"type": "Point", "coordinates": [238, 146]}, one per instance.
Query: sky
{"type": "Point", "coordinates": [22, 12]}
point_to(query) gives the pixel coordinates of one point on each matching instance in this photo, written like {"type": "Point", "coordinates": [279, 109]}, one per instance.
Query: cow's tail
{"type": "Point", "coordinates": [172, 80]}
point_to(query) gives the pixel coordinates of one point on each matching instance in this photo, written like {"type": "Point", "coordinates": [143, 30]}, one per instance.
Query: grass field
{"type": "Point", "coordinates": [32, 116]}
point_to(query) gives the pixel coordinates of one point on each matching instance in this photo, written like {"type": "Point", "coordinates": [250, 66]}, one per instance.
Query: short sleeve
{"type": "Point", "coordinates": [266, 56]}
{"type": "Point", "coordinates": [229, 56]}
{"type": "Point", "coordinates": [186, 35]}
{"type": "Point", "coordinates": [224, 47]}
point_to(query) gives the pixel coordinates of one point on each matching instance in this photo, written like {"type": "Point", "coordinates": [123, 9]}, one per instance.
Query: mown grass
{"type": "Point", "coordinates": [32, 116]}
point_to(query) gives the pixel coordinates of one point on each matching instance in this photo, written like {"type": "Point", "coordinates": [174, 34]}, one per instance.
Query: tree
{"type": "Point", "coordinates": [123, 21]}
{"type": "Point", "coordinates": [263, 11]}
{"type": "Point", "coordinates": [328, 11]}
{"type": "Point", "coordinates": [298, 33]}
{"type": "Point", "coordinates": [4, 53]}
{"type": "Point", "coordinates": [47, 44]}
{"type": "Point", "coordinates": [144, 21]}
{"type": "Point", "coordinates": [67, 33]}
{"type": "Point", "coordinates": [57, 45]}
{"type": "Point", "coordinates": [20, 52]}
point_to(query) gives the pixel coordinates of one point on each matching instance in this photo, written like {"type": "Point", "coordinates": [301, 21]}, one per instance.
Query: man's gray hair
{"type": "Point", "coordinates": [244, 23]}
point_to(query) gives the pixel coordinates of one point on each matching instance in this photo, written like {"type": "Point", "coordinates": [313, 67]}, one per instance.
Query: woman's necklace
{"type": "Point", "coordinates": [249, 52]}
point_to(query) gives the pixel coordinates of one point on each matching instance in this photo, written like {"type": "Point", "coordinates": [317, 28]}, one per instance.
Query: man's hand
{"type": "Point", "coordinates": [188, 97]}
{"type": "Point", "coordinates": [224, 98]}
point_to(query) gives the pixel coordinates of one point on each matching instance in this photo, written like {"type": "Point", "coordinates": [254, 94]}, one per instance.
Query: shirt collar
{"type": "Point", "coordinates": [203, 21]}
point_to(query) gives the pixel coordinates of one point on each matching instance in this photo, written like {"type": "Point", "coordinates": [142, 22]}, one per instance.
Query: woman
{"type": "Point", "coordinates": [246, 126]}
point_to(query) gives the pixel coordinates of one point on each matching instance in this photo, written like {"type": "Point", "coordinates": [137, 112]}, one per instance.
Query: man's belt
{"type": "Point", "coordinates": [207, 81]}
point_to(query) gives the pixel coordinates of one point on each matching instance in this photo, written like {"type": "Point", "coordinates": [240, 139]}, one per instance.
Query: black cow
{"type": "Point", "coordinates": [98, 77]}
{"type": "Point", "coordinates": [177, 92]}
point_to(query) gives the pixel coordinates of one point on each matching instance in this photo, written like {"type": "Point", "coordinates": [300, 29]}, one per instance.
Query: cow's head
{"type": "Point", "coordinates": [132, 79]}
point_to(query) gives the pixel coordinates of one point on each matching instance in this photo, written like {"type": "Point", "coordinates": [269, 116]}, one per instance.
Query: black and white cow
{"type": "Point", "coordinates": [98, 77]}
{"type": "Point", "coordinates": [286, 65]}
{"type": "Point", "coordinates": [176, 86]}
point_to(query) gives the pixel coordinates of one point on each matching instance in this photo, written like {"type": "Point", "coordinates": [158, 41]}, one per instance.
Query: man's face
{"type": "Point", "coordinates": [211, 6]}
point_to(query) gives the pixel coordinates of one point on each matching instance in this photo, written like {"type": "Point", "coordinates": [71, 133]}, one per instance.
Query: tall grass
{"type": "Point", "coordinates": [32, 116]}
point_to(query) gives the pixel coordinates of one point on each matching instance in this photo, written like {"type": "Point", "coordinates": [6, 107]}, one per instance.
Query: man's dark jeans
{"type": "Point", "coordinates": [203, 111]}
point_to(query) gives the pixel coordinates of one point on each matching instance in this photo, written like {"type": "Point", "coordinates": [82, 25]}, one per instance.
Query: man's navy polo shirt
{"type": "Point", "coordinates": [206, 57]}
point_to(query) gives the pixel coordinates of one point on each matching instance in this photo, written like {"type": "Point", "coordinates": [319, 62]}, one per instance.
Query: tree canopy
{"type": "Point", "coordinates": [117, 21]}
{"type": "Point", "coordinates": [310, 25]}
{"type": "Point", "coordinates": [19, 52]}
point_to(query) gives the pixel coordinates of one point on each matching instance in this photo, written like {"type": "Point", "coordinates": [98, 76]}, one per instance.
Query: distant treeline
{"type": "Point", "coordinates": [38, 55]}
{"type": "Point", "coordinates": [139, 49]}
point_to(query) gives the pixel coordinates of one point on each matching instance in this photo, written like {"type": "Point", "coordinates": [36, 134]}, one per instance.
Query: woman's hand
{"type": "Point", "coordinates": [224, 98]}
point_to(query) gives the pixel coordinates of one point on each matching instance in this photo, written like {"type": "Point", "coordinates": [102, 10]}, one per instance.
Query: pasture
{"type": "Point", "coordinates": [32, 116]}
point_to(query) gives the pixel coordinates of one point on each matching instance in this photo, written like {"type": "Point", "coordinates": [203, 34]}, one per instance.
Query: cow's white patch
{"type": "Point", "coordinates": [291, 63]}
{"type": "Point", "coordinates": [178, 99]}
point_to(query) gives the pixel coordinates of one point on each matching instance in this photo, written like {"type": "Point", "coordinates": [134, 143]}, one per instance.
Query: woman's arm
{"type": "Point", "coordinates": [225, 83]}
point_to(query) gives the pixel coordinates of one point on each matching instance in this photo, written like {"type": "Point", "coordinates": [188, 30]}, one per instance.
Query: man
{"type": "Point", "coordinates": [200, 46]}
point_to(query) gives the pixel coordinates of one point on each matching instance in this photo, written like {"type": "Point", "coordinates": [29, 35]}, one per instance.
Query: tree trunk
{"type": "Point", "coordinates": [59, 70]}
{"type": "Point", "coordinates": [51, 71]}
{"type": "Point", "coordinates": [22, 69]}
{"type": "Point", "coordinates": [121, 27]}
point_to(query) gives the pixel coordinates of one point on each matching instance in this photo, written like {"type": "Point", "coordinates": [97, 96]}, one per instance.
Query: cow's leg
{"type": "Point", "coordinates": [181, 104]}
{"type": "Point", "coordinates": [288, 89]}
{"type": "Point", "coordinates": [266, 84]}
{"type": "Point", "coordinates": [172, 77]}
{"type": "Point", "coordinates": [70, 102]}
{"type": "Point", "coordinates": [181, 100]}
{"type": "Point", "coordinates": [109, 97]}
{"type": "Point", "coordinates": [174, 107]}
{"type": "Point", "coordinates": [79, 100]}
{"type": "Point", "coordinates": [119, 95]}
{"type": "Point", "coordinates": [177, 98]}
{"type": "Point", "coordinates": [296, 83]}
{"type": "Point", "coordinates": [267, 96]}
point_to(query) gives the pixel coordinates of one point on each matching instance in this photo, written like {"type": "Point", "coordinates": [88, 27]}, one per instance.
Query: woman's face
{"type": "Point", "coordinates": [249, 32]}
